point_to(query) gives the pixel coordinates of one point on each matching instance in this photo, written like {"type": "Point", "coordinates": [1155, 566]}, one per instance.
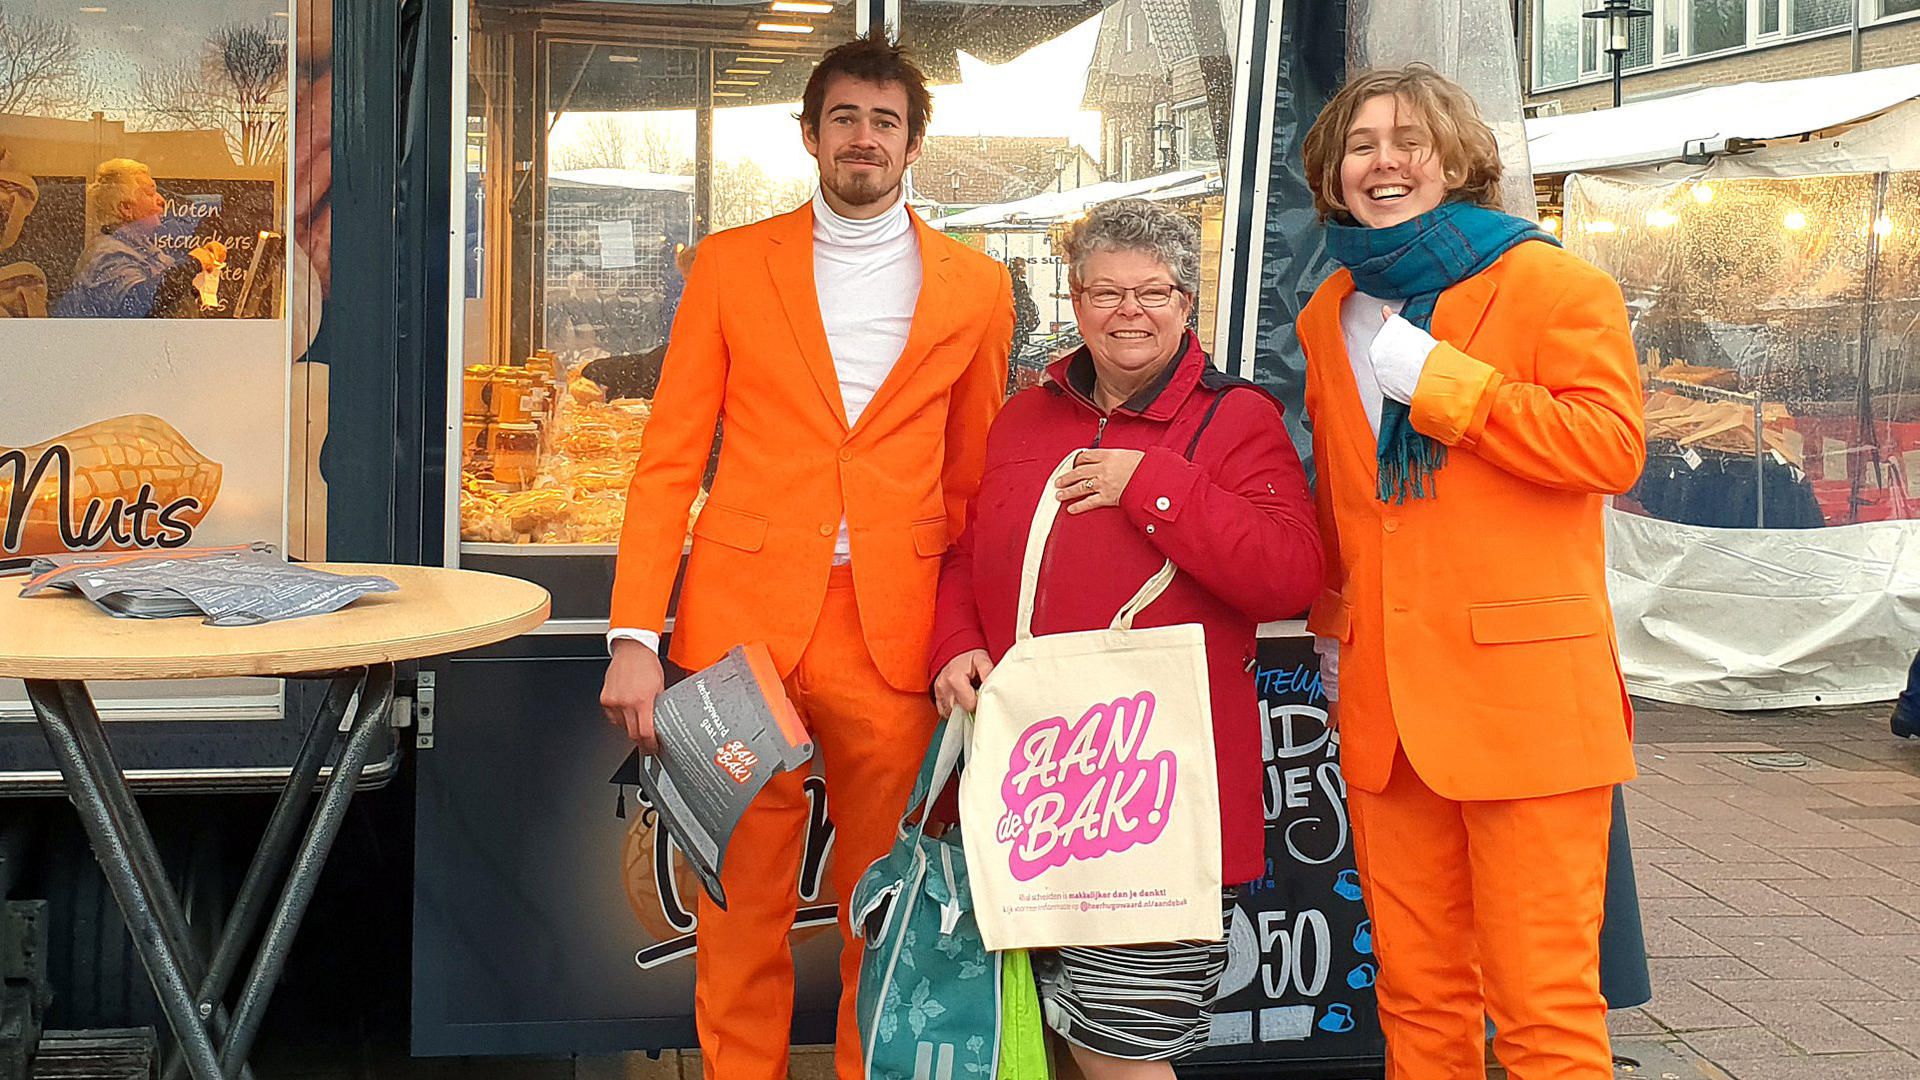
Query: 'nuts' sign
{"type": "Point", "coordinates": [130, 482]}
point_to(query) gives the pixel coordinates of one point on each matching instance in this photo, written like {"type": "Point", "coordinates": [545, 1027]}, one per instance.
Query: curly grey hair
{"type": "Point", "coordinates": [1138, 225]}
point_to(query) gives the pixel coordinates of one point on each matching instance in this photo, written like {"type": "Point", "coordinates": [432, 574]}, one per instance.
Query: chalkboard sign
{"type": "Point", "coordinates": [1300, 968]}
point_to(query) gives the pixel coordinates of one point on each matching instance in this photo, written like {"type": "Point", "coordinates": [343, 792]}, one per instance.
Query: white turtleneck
{"type": "Point", "coordinates": [867, 276]}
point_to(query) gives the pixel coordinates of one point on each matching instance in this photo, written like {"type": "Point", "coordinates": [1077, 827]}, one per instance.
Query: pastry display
{"type": "Point", "coordinates": [546, 459]}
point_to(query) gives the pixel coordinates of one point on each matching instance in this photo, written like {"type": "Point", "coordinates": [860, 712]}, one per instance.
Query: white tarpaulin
{"type": "Point", "coordinates": [1764, 619]}
{"type": "Point", "coordinates": [1055, 206]}
{"type": "Point", "coordinates": [1701, 122]}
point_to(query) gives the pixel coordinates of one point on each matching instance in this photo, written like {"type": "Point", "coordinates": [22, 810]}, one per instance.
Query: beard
{"type": "Point", "coordinates": [861, 188]}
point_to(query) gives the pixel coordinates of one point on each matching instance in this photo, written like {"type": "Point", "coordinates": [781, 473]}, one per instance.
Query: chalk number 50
{"type": "Point", "coordinates": [1285, 950]}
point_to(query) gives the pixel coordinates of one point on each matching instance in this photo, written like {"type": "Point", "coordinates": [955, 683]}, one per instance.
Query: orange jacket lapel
{"type": "Point", "coordinates": [790, 261]}
{"type": "Point", "coordinates": [1340, 413]}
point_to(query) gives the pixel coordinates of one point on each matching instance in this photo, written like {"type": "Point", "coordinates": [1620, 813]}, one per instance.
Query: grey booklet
{"type": "Point", "coordinates": [232, 586]}
{"type": "Point", "coordinates": [724, 731]}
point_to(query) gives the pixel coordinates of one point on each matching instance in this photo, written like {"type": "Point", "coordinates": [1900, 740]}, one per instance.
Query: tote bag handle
{"type": "Point", "coordinates": [944, 754]}
{"type": "Point", "coordinates": [1043, 518]}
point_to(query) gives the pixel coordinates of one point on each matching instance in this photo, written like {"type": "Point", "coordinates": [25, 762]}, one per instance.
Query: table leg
{"type": "Point", "coordinates": [98, 757]}
{"type": "Point", "coordinates": [376, 703]}
{"type": "Point", "coordinates": [269, 860]}
{"type": "Point", "coordinates": [113, 846]}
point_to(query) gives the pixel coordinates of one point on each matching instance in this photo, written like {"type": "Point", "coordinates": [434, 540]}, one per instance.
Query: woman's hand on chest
{"type": "Point", "coordinates": [1098, 478]}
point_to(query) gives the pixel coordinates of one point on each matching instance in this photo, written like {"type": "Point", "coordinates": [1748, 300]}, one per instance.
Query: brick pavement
{"type": "Point", "coordinates": [1781, 905]}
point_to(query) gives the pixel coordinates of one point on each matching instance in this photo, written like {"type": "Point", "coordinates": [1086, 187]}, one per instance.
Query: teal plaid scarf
{"type": "Point", "coordinates": [1416, 261]}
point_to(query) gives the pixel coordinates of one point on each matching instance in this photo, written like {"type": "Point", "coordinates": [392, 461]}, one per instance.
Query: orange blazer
{"type": "Point", "coordinates": [1474, 625]}
{"type": "Point", "coordinates": [749, 351]}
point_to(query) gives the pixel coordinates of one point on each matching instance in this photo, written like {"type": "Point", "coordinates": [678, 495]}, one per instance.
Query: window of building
{"type": "Point", "coordinates": [1809, 16]}
{"type": "Point", "coordinates": [1589, 39]}
{"type": "Point", "coordinates": [1194, 126]}
{"type": "Point", "coordinates": [1569, 48]}
{"type": "Point", "coordinates": [1639, 41]}
{"type": "Point", "coordinates": [1558, 30]}
{"type": "Point", "coordinates": [1717, 25]}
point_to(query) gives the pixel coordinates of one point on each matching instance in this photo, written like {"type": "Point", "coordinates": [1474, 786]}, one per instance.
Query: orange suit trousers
{"type": "Point", "coordinates": [1486, 910]}
{"type": "Point", "coordinates": [870, 738]}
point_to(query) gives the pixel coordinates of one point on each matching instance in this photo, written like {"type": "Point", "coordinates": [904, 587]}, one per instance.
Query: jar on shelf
{"type": "Point", "coordinates": [476, 391]}
{"type": "Point", "coordinates": [474, 432]}
{"type": "Point", "coordinates": [516, 453]}
{"type": "Point", "coordinates": [512, 396]}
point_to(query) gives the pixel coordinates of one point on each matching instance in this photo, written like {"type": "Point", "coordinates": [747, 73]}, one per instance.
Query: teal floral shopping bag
{"type": "Point", "coordinates": [930, 993]}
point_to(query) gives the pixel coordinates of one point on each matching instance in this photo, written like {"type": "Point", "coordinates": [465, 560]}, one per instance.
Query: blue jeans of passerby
{"type": "Point", "coordinates": [1906, 708]}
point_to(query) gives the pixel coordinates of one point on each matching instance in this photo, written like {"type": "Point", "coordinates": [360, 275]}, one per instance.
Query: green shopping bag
{"type": "Point", "coordinates": [929, 997]}
{"type": "Point", "coordinates": [1023, 1034]}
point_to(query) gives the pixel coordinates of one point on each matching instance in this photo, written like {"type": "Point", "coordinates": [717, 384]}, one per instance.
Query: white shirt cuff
{"type": "Point", "coordinates": [649, 638]}
{"type": "Point", "coordinates": [1329, 650]}
{"type": "Point", "coordinates": [1398, 354]}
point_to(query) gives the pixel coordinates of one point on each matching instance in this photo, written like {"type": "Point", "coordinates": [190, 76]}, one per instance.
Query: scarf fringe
{"type": "Point", "coordinates": [1408, 461]}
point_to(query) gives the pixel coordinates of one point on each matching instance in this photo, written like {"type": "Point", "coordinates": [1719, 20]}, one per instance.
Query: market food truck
{"type": "Point", "coordinates": [454, 233]}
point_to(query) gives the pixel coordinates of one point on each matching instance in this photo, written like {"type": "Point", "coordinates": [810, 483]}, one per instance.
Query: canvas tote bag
{"type": "Point", "coordinates": [1089, 801]}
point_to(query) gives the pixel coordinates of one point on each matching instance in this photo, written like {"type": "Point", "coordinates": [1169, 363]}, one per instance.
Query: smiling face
{"type": "Point", "coordinates": [1390, 172]}
{"type": "Point", "coordinates": [1131, 342]}
{"type": "Point", "coordinates": [862, 145]}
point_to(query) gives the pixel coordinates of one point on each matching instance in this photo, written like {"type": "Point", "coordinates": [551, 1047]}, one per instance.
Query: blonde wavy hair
{"type": "Point", "coordinates": [114, 182]}
{"type": "Point", "coordinates": [1469, 156]}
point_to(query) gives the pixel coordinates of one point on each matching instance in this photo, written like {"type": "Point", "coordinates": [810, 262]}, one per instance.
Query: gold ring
{"type": "Point", "coordinates": [1088, 483]}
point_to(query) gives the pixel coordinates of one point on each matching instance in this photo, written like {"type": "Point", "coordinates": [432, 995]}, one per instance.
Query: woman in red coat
{"type": "Point", "coordinates": [1180, 461]}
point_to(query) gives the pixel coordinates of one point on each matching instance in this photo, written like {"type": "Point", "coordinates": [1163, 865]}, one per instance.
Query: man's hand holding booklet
{"type": "Point", "coordinates": [722, 732]}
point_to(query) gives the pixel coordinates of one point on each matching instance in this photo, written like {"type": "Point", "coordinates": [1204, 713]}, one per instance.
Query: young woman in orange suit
{"type": "Point", "coordinates": [1474, 396]}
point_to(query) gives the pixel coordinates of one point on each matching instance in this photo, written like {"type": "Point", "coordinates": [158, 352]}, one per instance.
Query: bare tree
{"type": "Point", "coordinates": [39, 66]}
{"type": "Point", "coordinates": [239, 87]}
{"type": "Point", "coordinates": [616, 142]}
{"type": "Point", "coordinates": [743, 193]}
{"type": "Point", "coordinates": [660, 148]}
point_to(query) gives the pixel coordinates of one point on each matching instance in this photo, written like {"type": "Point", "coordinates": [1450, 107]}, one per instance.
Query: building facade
{"type": "Point", "coordinates": [1688, 44]}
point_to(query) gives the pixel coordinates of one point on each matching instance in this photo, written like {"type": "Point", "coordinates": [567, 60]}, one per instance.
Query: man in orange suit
{"type": "Point", "coordinates": [1474, 395]}
{"type": "Point", "coordinates": [854, 359]}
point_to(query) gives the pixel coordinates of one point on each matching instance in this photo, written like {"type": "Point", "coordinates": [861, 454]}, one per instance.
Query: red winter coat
{"type": "Point", "coordinates": [1220, 492]}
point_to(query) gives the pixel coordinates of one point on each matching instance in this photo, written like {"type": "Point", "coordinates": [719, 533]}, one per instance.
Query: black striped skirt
{"type": "Point", "coordinates": [1149, 1002]}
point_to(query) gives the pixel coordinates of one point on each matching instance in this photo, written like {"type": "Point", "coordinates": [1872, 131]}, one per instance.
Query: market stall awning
{"type": "Point", "coordinates": [1701, 122]}
{"type": "Point", "coordinates": [631, 179]}
{"type": "Point", "coordinates": [1056, 206]}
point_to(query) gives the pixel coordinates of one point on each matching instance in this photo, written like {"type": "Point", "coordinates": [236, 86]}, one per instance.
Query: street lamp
{"type": "Point", "coordinates": [1164, 142]}
{"type": "Point", "coordinates": [1618, 33]}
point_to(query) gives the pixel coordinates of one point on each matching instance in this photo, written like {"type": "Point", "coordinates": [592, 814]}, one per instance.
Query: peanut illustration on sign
{"type": "Point", "coordinates": [1082, 790]}
{"type": "Point", "coordinates": [123, 484]}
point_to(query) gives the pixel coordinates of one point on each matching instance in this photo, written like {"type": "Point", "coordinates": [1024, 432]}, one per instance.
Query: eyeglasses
{"type": "Point", "coordinates": [1147, 296]}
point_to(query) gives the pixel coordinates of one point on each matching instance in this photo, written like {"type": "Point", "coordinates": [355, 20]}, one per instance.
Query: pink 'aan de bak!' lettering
{"type": "Point", "coordinates": [1081, 790]}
